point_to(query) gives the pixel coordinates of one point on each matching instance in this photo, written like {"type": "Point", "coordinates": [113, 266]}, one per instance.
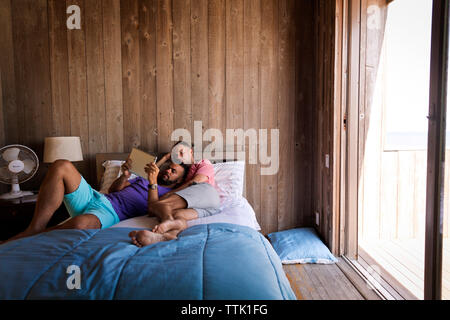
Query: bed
{"type": "Point", "coordinates": [221, 257]}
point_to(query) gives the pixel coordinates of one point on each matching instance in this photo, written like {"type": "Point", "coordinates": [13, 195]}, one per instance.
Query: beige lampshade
{"type": "Point", "coordinates": [67, 148]}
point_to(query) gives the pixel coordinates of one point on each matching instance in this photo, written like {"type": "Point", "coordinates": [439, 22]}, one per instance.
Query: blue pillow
{"type": "Point", "coordinates": [301, 245]}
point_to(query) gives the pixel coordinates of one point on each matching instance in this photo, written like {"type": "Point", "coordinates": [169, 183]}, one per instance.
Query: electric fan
{"type": "Point", "coordinates": [17, 165]}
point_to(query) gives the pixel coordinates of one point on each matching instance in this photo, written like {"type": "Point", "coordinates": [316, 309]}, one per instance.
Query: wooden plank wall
{"type": "Point", "coordinates": [2, 123]}
{"type": "Point", "coordinates": [139, 69]}
{"type": "Point", "coordinates": [324, 117]}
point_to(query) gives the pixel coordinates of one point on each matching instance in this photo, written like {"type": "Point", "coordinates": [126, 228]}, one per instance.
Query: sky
{"type": "Point", "coordinates": [408, 48]}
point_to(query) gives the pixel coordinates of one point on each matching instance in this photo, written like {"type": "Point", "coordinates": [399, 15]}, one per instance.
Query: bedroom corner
{"type": "Point", "coordinates": [193, 150]}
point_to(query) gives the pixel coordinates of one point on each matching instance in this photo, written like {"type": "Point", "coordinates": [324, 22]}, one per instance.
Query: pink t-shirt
{"type": "Point", "coordinates": [203, 167]}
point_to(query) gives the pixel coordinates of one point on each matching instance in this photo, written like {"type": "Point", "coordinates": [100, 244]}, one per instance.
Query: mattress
{"type": "Point", "coordinates": [208, 261]}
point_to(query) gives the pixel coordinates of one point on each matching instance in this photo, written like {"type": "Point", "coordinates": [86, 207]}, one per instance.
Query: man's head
{"type": "Point", "coordinates": [174, 174]}
{"type": "Point", "coordinates": [182, 153]}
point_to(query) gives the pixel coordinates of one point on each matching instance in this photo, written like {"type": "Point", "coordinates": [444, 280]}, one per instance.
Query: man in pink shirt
{"type": "Point", "coordinates": [195, 198]}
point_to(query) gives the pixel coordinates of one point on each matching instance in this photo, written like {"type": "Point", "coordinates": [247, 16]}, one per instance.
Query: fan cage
{"type": "Point", "coordinates": [22, 176]}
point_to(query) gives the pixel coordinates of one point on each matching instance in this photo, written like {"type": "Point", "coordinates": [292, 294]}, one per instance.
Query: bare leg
{"type": "Point", "coordinates": [167, 230]}
{"type": "Point", "coordinates": [81, 222]}
{"type": "Point", "coordinates": [62, 178]}
{"type": "Point", "coordinates": [178, 223]}
{"type": "Point", "coordinates": [164, 209]}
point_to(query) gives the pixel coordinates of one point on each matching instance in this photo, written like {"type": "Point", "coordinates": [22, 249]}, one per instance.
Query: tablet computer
{"type": "Point", "coordinates": [140, 159]}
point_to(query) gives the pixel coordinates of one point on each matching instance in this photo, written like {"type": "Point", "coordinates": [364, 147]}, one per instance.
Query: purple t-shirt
{"type": "Point", "coordinates": [132, 201]}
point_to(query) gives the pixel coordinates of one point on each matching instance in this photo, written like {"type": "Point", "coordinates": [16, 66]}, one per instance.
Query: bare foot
{"type": "Point", "coordinates": [142, 238]}
{"type": "Point", "coordinates": [166, 226]}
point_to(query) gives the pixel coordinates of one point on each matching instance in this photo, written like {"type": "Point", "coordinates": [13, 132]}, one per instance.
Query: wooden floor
{"type": "Point", "coordinates": [320, 282]}
{"type": "Point", "coordinates": [404, 260]}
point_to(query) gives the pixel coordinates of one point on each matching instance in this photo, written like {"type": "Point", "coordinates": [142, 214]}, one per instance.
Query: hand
{"type": "Point", "coordinates": [126, 167]}
{"type": "Point", "coordinates": [152, 171]}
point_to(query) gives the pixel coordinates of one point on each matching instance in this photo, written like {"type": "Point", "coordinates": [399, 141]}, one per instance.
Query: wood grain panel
{"type": "Point", "coordinates": [3, 187]}
{"type": "Point", "coordinates": [164, 80]}
{"type": "Point", "coordinates": [286, 110]}
{"type": "Point", "coordinates": [216, 63]}
{"type": "Point", "coordinates": [182, 91]}
{"type": "Point", "coordinates": [318, 112]}
{"type": "Point", "coordinates": [324, 124]}
{"type": "Point", "coordinates": [147, 57]}
{"type": "Point", "coordinates": [131, 70]}
{"type": "Point", "coordinates": [388, 195]}
{"type": "Point", "coordinates": [269, 106]}
{"type": "Point", "coordinates": [304, 84]}
{"type": "Point", "coordinates": [32, 75]}
{"type": "Point", "coordinates": [76, 41]}
{"type": "Point", "coordinates": [59, 68]}
{"type": "Point", "coordinates": [420, 176]}
{"type": "Point", "coordinates": [113, 75]}
{"type": "Point", "coordinates": [234, 64]}
{"type": "Point", "coordinates": [330, 134]}
{"type": "Point", "coordinates": [8, 73]}
{"type": "Point", "coordinates": [405, 190]}
{"type": "Point", "coordinates": [199, 62]}
{"type": "Point", "coordinates": [32, 71]}
{"type": "Point", "coordinates": [95, 80]}
{"type": "Point", "coordinates": [252, 96]}
{"type": "Point", "coordinates": [2, 121]}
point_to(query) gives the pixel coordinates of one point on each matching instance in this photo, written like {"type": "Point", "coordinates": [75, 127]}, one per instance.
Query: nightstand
{"type": "Point", "coordinates": [16, 215]}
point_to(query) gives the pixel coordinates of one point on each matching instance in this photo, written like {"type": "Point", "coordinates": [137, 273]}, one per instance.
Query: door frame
{"type": "Point", "coordinates": [436, 151]}
{"type": "Point", "coordinates": [347, 65]}
{"type": "Point", "coordinates": [347, 102]}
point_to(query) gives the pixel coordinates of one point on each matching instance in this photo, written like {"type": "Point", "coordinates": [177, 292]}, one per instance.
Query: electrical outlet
{"type": "Point", "coordinates": [327, 161]}
{"type": "Point", "coordinates": [317, 218]}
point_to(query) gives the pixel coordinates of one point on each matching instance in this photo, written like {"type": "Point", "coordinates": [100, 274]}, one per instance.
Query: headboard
{"type": "Point", "coordinates": [102, 157]}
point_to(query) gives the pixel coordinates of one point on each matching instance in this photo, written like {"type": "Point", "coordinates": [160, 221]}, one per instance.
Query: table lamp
{"type": "Point", "coordinates": [67, 148]}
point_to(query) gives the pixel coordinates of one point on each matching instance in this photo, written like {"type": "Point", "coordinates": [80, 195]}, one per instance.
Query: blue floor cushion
{"type": "Point", "coordinates": [301, 245]}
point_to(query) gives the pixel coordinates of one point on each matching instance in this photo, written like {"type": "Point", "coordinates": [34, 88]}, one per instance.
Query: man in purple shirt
{"type": "Point", "coordinates": [90, 209]}
{"type": "Point", "coordinates": [130, 198]}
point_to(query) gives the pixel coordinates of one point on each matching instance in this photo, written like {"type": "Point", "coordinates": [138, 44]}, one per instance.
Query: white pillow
{"type": "Point", "coordinates": [229, 178]}
{"type": "Point", "coordinates": [112, 172]}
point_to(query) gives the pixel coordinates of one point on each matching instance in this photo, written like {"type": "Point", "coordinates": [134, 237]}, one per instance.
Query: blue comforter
{"type": "Point", "coordinates": [215, 261]}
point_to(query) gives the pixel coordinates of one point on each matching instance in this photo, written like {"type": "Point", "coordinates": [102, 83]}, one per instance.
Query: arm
{"type": "Point", "coordinates": [152, 171]}
{"type": "Point", "coordinates": [122, 182]}
{"type": "Point", "coordinates": [198, 178]}
{"type": "Point", "coordinates": [202, 174]}
{"type": "Point", "coordinates": [161, 161]}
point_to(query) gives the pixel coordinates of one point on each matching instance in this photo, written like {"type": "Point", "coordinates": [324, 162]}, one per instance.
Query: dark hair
{"type": "Point", "coordinates": [184, 143]}
{"type": "Point", "coordinates": [186, 168]}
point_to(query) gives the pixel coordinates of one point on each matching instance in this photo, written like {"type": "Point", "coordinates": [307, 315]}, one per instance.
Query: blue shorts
{"type": "Point", "coordinates": [86, 200]}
